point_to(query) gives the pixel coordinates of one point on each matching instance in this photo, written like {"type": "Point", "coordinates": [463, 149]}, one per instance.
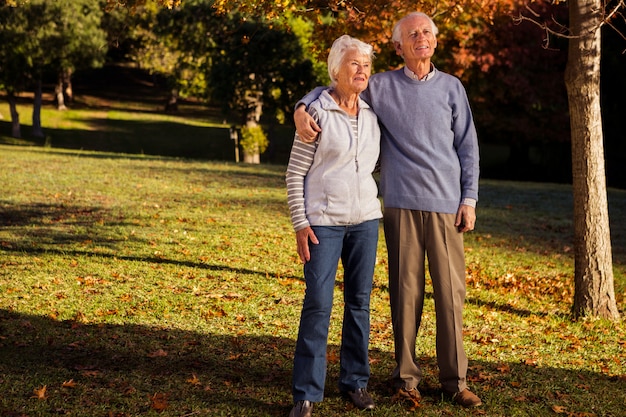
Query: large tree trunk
{"type": "Point", "coordinates": [593, 277]}
{"type": "Point", "coordinates": [16, 130]}
{"type": "Point", "coordinates": [37, 130]}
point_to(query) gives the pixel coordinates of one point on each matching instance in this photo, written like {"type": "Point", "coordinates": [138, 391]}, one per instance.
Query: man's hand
{"type": "Point", "coordinates": [465, 218]}
{"type": "Point", "coordinates": [302, 239]}
{"type": "Point", "coordinates": [306, 128]}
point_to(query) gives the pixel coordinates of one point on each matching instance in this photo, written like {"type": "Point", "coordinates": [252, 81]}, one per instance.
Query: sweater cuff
{"type": "Point", "coordinates": [469, 202]}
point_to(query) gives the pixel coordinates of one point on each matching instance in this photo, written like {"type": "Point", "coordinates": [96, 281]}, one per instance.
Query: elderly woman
{"type": "Point", "coordinates": [335, 211]}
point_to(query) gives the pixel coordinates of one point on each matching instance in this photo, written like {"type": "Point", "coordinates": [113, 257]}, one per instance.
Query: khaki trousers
{"type": "Point", "coordinates": [412, 237]}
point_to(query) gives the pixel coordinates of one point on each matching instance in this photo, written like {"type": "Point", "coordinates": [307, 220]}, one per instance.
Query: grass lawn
{"type": "Point", "coordinates": [121, 109]}
{"type": "Point", "coordinates": [138, 285]}
{"type": "Point", "coordinates": [133, 284]}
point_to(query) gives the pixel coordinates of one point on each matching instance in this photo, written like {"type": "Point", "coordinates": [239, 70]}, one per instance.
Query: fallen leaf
{"type": "Point", "coordinates": [559, 409]}
{"type": "Point", "coordinates": [504, 368]}
{"type": "Point", "coordinates": [40, 393]}
{"type": "Point", "coordinates": [158, 402]}
{"type": "Point", "coordinates": [194, 380]}
{"type": "Point", "coordinates": [332, 357]}
{"type": "Point", "coordinates": [69, 384]}
{"type": "Point", "coordinates": [157, 353]}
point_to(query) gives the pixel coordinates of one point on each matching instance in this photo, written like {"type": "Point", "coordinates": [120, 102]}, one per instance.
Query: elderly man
{"type": "Point", "coordinates": [429, 184]}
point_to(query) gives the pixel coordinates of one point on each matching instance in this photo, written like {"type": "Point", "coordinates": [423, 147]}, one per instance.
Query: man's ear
{"type": "Point", "coordinates": [398, 47]}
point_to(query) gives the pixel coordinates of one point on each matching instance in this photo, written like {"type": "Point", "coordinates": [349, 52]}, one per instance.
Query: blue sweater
{"type": "Point", "coordinates": [429, 147]}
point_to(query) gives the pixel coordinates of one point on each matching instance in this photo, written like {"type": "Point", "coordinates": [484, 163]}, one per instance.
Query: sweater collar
{"type": "Point", "coordinates": [414, 76]}
{"type": "Point", "coordinates": [328, 102]}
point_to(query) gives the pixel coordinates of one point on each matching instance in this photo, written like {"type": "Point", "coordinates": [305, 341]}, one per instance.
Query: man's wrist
{"type": "Point", "coordinates": [467, 201]}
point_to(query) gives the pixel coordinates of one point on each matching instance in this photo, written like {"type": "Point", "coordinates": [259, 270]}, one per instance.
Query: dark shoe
{"type": "Point", "coordinates": [412, 395]}
{"type": "Point", "coordinates": [302, 409]}
{"type": "Point", "coordinates": [465, 398]}
{"type": "Point", "coordinates": [361, 399]}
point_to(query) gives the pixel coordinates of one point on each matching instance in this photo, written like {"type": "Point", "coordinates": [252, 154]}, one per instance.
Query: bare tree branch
{"type": "Point", "coordinates": [559, 30]}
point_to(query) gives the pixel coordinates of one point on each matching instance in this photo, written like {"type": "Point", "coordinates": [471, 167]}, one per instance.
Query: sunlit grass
{"type": "Point", "coordinates": [146, 279]}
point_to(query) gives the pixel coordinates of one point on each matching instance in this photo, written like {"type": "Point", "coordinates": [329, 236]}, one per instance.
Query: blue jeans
{"type": "Point", "coordinates": [356, 247]}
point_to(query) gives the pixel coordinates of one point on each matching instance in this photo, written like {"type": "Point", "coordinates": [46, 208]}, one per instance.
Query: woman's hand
{"type": "Point", "coordinates": [302, 239]}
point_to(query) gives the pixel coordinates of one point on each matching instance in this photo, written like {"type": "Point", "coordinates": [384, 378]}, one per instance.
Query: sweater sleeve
{"type": "Point", "coordinates": [466, 144]}
{"type": "Point", "coordinates": [310, 97]}
{"type": "Point", "coordinates": [300, 161]}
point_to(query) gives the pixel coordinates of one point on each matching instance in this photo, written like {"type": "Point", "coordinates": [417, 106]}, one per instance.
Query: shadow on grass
{"type": "Point", "coordinates": [45, 226]}
{"type": "Point", "coordinates": [505, 208]}
{"type": "Point", "coordinates": [158, 138]}
{"type": "Point", "coordinates": [155, 138]}
{"type": "Point", "coordinates": [130, 369]}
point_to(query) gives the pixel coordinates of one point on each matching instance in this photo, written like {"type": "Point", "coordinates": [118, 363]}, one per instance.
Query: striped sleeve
{"type": "Point", "coordinates": [300, 162]}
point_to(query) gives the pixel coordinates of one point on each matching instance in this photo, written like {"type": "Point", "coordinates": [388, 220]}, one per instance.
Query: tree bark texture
{"type": "Point", "coordinates": [593, 277]}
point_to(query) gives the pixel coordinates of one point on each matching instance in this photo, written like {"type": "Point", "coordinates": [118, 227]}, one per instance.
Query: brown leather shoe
{"type": "Point", "coordinates": [465, 398]}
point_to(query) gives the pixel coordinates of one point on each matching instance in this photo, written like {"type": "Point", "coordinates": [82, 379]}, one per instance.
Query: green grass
{"type": "Point", "coordinates": [136, 130]}
{"type": "Point", "coordinates": [138, 279]}
{"type": "Point", "coordinates": [141, 285]}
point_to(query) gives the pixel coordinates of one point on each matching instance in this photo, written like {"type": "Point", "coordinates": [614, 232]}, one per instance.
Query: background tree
{"type": "Point", "coordinates": [177, 45]}
{"type": "Point", "coordinates": [594, 293]}
{"type": "Point", "coordinates": [13, 60]}
{"type": "Point", "coordinates": [258, 69]}
{"type": "Point", "coordinates": [78, 41]}
{"type": "Point", "coordinates": [593, 276]}
{"type": "Point", "coordinates": [40, 36]}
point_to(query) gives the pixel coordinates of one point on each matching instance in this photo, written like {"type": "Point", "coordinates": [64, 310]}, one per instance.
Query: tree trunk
{"type": "Point", "coordinates": [58, 91]}
{"type": "Point", "coordinates": [67, 79]}
{"type": "Point", "coordinates": [593, 277]}
{"type": "Point", "coordinates": [255, 110]}
{"type": "Point", "coordinates": [252, 156]}
{"type": "Point", "coordinates": [63, 89]}
{"type": "Point", "coordinates": [37, 130]}
{"type": "Point", "coordinates": [171, 106]}
{"type": "Point", "coordinates": [16, 130]}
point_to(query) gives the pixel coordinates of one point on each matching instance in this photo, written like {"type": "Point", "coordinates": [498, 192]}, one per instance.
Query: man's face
{"type": "Point", "coordinates": [418, 42]}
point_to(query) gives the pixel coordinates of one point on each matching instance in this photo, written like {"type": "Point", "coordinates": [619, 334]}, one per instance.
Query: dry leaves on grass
{"type": "Point", "coordinates": [158, 402]}
{"type": "Point", "coordinates": [40, 393]}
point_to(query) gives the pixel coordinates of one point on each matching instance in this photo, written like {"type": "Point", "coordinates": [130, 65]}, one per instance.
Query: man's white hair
{"type": "Point", "coordinates": [397, 36]}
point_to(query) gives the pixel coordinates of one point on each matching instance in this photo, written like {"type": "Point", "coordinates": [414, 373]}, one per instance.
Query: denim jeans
{"type": "Point", "coordinates": [356, 246]}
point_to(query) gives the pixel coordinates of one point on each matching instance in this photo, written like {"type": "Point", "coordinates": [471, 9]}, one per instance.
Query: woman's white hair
{"type": "Point", "coordinates": [341, 46]}
{"type": "Point", "coordinates": [397, 36]}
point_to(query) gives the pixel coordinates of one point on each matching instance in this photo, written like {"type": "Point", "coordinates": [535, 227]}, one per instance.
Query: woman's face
{"type": "Point", "coordinates": [354, 72]}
